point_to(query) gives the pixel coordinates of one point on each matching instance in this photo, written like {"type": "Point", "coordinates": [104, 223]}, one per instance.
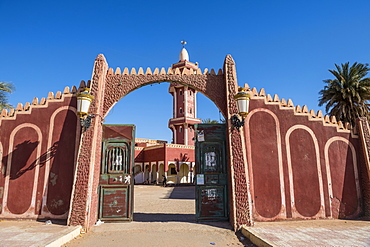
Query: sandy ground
{"type": "Point", "coordinates": [163, 216]}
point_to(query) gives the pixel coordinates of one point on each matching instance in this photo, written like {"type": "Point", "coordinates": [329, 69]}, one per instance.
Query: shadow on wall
{"type": "Point", "coordinates": [62, 163]}
{"type": "Point", "coordinates": [37, 172]}
{"type": "Point", "coordinates": [22, 153]}
{"type": "Point", "coordinates": [20, 156]}
{"type": "Point", "coordinates": [349, 198]}
{"type": "Point", "coordinates": [183, 157]}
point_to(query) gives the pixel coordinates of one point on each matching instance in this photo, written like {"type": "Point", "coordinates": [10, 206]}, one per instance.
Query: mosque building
{"type": "Point", "coordinates": [155, 159]}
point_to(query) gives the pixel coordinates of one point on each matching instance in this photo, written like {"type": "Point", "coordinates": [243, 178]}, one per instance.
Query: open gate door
{"type": "Point", "coordinates": [211, 173]}
{"type": "Point", "coordinates": [116, 180]}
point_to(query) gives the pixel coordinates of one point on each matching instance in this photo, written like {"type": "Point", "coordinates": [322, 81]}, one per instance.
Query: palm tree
{"type": "Point", "coordinates": [209, 121]}
{"type": "Point", "coordinates": [347, 96]}
{"type": "Point", "coordinates": [5, 87]}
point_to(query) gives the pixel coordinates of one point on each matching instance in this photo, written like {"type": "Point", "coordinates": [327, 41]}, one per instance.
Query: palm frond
{"type": "Point", "coordinates": [346, 96]}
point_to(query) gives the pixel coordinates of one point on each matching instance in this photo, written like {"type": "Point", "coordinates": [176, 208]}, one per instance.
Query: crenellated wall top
{"type": "Point", "coordinates": [42, 103]}
{"type": "Point", "coordinates": [298, 110]}
{"type": "Point", "coordinates": [163, 71]}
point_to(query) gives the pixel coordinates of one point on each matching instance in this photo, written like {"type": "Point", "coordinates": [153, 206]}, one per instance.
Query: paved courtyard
{"type": "Point", "coordinates": [311, 233]}
{"type": "Point", "coordinates": [163, 216]}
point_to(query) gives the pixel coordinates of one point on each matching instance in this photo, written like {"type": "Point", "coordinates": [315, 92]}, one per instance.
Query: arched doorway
{"type": "Point", "coordinates": [146, 173]}
{"type": "Point", "coordinates": [109, 86]}
{"type": "Point", "coordinates": [172, 174]}
{"type": "Point", "coordinates": [153, 177]}
{"type": "Point", "coordinates": [184, 173]}
{"type": "Point", "coordinates": [138, 174]}
{"type": "Point", "coordinates": [161, 173]}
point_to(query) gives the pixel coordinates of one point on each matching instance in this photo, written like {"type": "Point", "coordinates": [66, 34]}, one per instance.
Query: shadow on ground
{"type": "Point", "coordinates": [190, 218]}
{"type": "Point", "coordinates": [187, 193]}
{"type": "Point", "coordinates": [160, 217]}
{"type": "Point", "coordinates": [53, 221]}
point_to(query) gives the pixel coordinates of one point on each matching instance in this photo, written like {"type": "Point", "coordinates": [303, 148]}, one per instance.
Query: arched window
{"type": "Point", "coordinates": [172, 169]}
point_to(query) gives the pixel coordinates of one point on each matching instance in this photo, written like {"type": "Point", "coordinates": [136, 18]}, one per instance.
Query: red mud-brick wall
{"type": "Point", "coordinates": [364, 167]}
{"type": "Point", "coordinates": [300, 165]}
{"type": "Point", "coordinates": [165, 152]}
{"type": "Point", "coordinates": [139, 155]}
{"type": "Point", "coordinates": [155, 153]}
{"type": "Point", "coordinates": [179, 154]}
{"type": "Point", "coordinates": [38, 154]}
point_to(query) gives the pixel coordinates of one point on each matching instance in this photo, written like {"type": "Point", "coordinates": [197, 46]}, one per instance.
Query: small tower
{"type": "Point", "coordinates": [184, 104]}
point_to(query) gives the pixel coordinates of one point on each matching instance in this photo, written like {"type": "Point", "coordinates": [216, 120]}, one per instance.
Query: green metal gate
{"type": "Point", "coordinates": [116, 178]}
{"type": "Point", "coordinates": [211, 173]}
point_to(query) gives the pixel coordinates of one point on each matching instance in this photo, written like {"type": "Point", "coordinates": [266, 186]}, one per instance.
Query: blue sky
{"type": "Point", "coordinates": [283, 46]}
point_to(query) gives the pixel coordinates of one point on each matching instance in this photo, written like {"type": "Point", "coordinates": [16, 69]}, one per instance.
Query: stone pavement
{"type": "Point", "coordinates": [310, 233]}
{"type": "Point", "coordinates": [35, 233]}
{"type": "Point", "coordinates": [165, 214]}
{"type": "Point", "coordinates": [159, 234]}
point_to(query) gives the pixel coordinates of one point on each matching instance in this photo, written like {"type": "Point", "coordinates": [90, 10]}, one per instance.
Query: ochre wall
{"type": "Point", "coordinates": [38, 146]}
{"type": "Point", "coordinates": [301, 165]}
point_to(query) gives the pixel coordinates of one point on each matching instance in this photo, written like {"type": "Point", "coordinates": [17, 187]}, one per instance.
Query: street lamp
{"type": "Point", "coordinates": [84, 100]}
{"type": "Point", "coordinates": [242, 102]}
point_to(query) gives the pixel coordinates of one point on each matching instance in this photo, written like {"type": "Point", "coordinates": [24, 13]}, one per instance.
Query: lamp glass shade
{"type": "Point", "coordinates": [84, 100]}
{"type": "Point", "coordinates": [242, 101]}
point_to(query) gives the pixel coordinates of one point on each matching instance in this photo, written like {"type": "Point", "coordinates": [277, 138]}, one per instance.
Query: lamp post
{"type": "Point", "coordinates": [84, 100]}
{"type": "Point", "coordinates": [242, 102]}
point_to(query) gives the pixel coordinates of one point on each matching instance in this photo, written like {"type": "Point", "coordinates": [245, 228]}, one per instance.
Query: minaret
{"type": "Point", "coordinates": [184, 104]}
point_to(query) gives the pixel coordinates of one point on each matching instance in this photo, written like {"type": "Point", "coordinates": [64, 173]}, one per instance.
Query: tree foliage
{"type": "Point", "coordinates": [5, 88]}
{"type": "Point", "coordinates": [347, 96]}
{"type": "Point", "coordinates": [209, 121]}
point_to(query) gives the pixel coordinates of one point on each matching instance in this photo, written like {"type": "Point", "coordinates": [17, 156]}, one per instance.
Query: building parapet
{"type": "Point", "coordinates": [154, 146]}
{"type": "Point", "coordinates": [180, 146]}
{"type": "Point", "coordinates": [141, 140]}
{"type": "Point", "coordinates": [162, 71]}
{"type": "Point", "coordinates": [301, 111]}
{"type": "Point", "coordinates": [42, 103]}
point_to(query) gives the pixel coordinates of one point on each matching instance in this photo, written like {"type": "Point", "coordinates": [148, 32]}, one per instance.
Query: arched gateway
{"type": "Point", "coordinates": [109, 86]}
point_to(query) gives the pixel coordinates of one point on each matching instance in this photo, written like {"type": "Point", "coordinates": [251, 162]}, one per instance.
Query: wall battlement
{"type": "Point", "coordinates": [162, 71]}
{"type": "Point", "coordinates": [301, 110]}
{"type": "Point", "coordinates": [42, 103]}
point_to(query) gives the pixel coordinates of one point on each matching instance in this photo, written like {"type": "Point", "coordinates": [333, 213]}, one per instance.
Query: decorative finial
{"type": "Point", "coordinates": [183, 43]}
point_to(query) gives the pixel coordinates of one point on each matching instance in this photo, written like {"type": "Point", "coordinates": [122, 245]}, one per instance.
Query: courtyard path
{"type": "Point", "coordinates": [163, 216]}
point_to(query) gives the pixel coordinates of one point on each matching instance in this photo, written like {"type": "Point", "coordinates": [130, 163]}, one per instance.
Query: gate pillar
{"type": "Point", "coordinates": [84, 201]}
{"type": "Point", "coordinates": [240, 196]}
